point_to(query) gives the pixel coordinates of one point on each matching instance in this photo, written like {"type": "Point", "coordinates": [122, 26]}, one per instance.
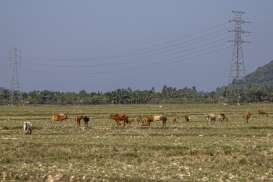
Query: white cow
{"type": "Point", "coordinates": [27, 127]}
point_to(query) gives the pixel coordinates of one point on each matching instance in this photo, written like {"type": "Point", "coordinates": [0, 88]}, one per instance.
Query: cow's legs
{"type": "Point", "coordinates": [125, 122]}
{"type": "Point", "coordinates": [78, 121]}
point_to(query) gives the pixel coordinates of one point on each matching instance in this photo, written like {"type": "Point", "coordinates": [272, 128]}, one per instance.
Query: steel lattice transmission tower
{"type": "Point", "coordinates": [15, 91]}
{"type": "Point", "coordinates": [237, 71]}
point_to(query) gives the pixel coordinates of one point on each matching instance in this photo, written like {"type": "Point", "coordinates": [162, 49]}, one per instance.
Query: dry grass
{"type": "Point", "coordinates": [184, 151]}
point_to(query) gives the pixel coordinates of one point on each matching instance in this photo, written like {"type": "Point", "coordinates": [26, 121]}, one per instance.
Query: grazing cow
{"type": "Point", "coordinates": [187, 118]}
{"type": "Point", "coordinates": [85, 119]}
{"type": "Point", "coordinates": [58, 117]}
{"type": "Point", "coordinates": [262, 112]}
{"type": "Point", "coordinates": [27, 127]}
{"type": "Point", "coordinates": [120, 117]}
{"type": "Point", "coordinates": [211, 117]}
{"type": "Point", "coordinates": [222, 117]}
{"type": "Point", "coordinates": [146, 120]}
{"type": "Point", "coordinates": [149, 119]}
{"type": "Point", "coordinates": [247, 116]}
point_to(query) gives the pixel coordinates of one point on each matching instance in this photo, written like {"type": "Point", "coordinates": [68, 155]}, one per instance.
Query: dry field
{"type": "Point", "coordinates": [184, 151]}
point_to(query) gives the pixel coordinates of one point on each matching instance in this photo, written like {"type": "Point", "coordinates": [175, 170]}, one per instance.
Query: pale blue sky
{"type": "Point", "coordinates": [103, 45]}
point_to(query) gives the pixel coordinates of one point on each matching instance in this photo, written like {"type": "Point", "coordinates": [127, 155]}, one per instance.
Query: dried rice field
{"type": "Point", "coordinates": [184, 151]}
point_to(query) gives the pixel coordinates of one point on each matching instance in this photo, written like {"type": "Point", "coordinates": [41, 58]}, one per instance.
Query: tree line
{"type": "Point", "coordinates": [247, 93]}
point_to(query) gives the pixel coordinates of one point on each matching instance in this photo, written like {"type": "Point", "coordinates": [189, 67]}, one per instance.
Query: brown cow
{"type": "Point", "coordinates": [120, 117]}
{"type": "Point", "coordinates": [58, 117]}
{"type": "Point", "coordinates": [247, 116]}
{"type": "Point", "coordinates": [211, 117]}
{"type": "Point", "coordinates": [84, 118]}
{"type": "Point", "coordinates": [148, 119]}
{"type": "Point", "coordinates": [222, 117]}
{"type": "Point", "coordinates": [262, 112]}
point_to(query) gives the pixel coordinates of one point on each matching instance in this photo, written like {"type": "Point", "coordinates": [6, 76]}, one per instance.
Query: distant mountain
{"type": "Point", "coordinates": [2, 89]}
{"type": "Point", "coordinates": [262, 76]}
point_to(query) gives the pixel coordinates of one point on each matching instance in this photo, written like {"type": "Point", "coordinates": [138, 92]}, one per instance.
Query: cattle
{"type": "Point", "coordinates": [148, 119]}
{"type": "Point", "coordinates": [120, 117]}
{"type": "Point", "coordinates": [247, 116]}
{"type": "Point", "coordinates": [187, 118]}
{"type": "Point", "coordinates": [58, 117]}
{"type": "Point", "coordinates": [262, 112]}
{"type": "Point", "coordinates": [222, 117]}
{"type": "Point", "coordinates": [27, 128]}
{"type": "Point", "coordinates": [211, 117]}
{"type": "Point", "coordinates": [85, 119]}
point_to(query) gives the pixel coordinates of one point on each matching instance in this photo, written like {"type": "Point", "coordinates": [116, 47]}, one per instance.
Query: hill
{"type": "Point", "coordinates": [254, 87]}
{"type": "Point", "coordinates": [262, 76]}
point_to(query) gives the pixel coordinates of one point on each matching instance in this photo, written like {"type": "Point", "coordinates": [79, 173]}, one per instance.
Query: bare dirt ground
{"type": "Point", "coordinates": [184, 151]}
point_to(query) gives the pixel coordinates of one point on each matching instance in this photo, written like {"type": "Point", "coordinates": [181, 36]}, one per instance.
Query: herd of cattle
{"type": "Point", "coordinates": [141, 120]}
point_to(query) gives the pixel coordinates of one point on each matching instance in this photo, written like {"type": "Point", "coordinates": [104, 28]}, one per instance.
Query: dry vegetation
{"type": "Point", "coordinates": [184, 151]}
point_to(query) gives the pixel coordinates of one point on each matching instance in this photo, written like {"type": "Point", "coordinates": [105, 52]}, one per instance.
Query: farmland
{"type": "Point", "coordinates": [184, 151]}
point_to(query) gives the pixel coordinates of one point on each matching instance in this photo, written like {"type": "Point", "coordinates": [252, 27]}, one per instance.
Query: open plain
{"type": "Point", "coordinates": [231, 150]}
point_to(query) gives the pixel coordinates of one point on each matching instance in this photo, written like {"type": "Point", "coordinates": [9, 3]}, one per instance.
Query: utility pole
{"type": "Point", "coordinates": [15, 92]}
{"type": "Point", "coordinates": [238, 63]}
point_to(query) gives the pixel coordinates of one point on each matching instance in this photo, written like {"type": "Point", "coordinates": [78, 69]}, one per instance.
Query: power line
{"type": "Point", "coordinates": [169, 52]}
{"type": "Point", "coordinates": [165, 45]}
{"type": "Point", "coordinates": [157, 58]}
{"type": "Point", "coordinates": [238, 63]}
{"type": "Point", "coordinates": [195, 46]}
{"type": "Point", "coordinates": [167, 61]}
{"type": "Point", "coordinates": [171, 61]}
{"type": "Point", "coordinates": [15, 91]}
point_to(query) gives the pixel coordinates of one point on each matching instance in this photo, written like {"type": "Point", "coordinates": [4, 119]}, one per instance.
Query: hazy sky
{"type": "Point", "coordinates": [95, 45]}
